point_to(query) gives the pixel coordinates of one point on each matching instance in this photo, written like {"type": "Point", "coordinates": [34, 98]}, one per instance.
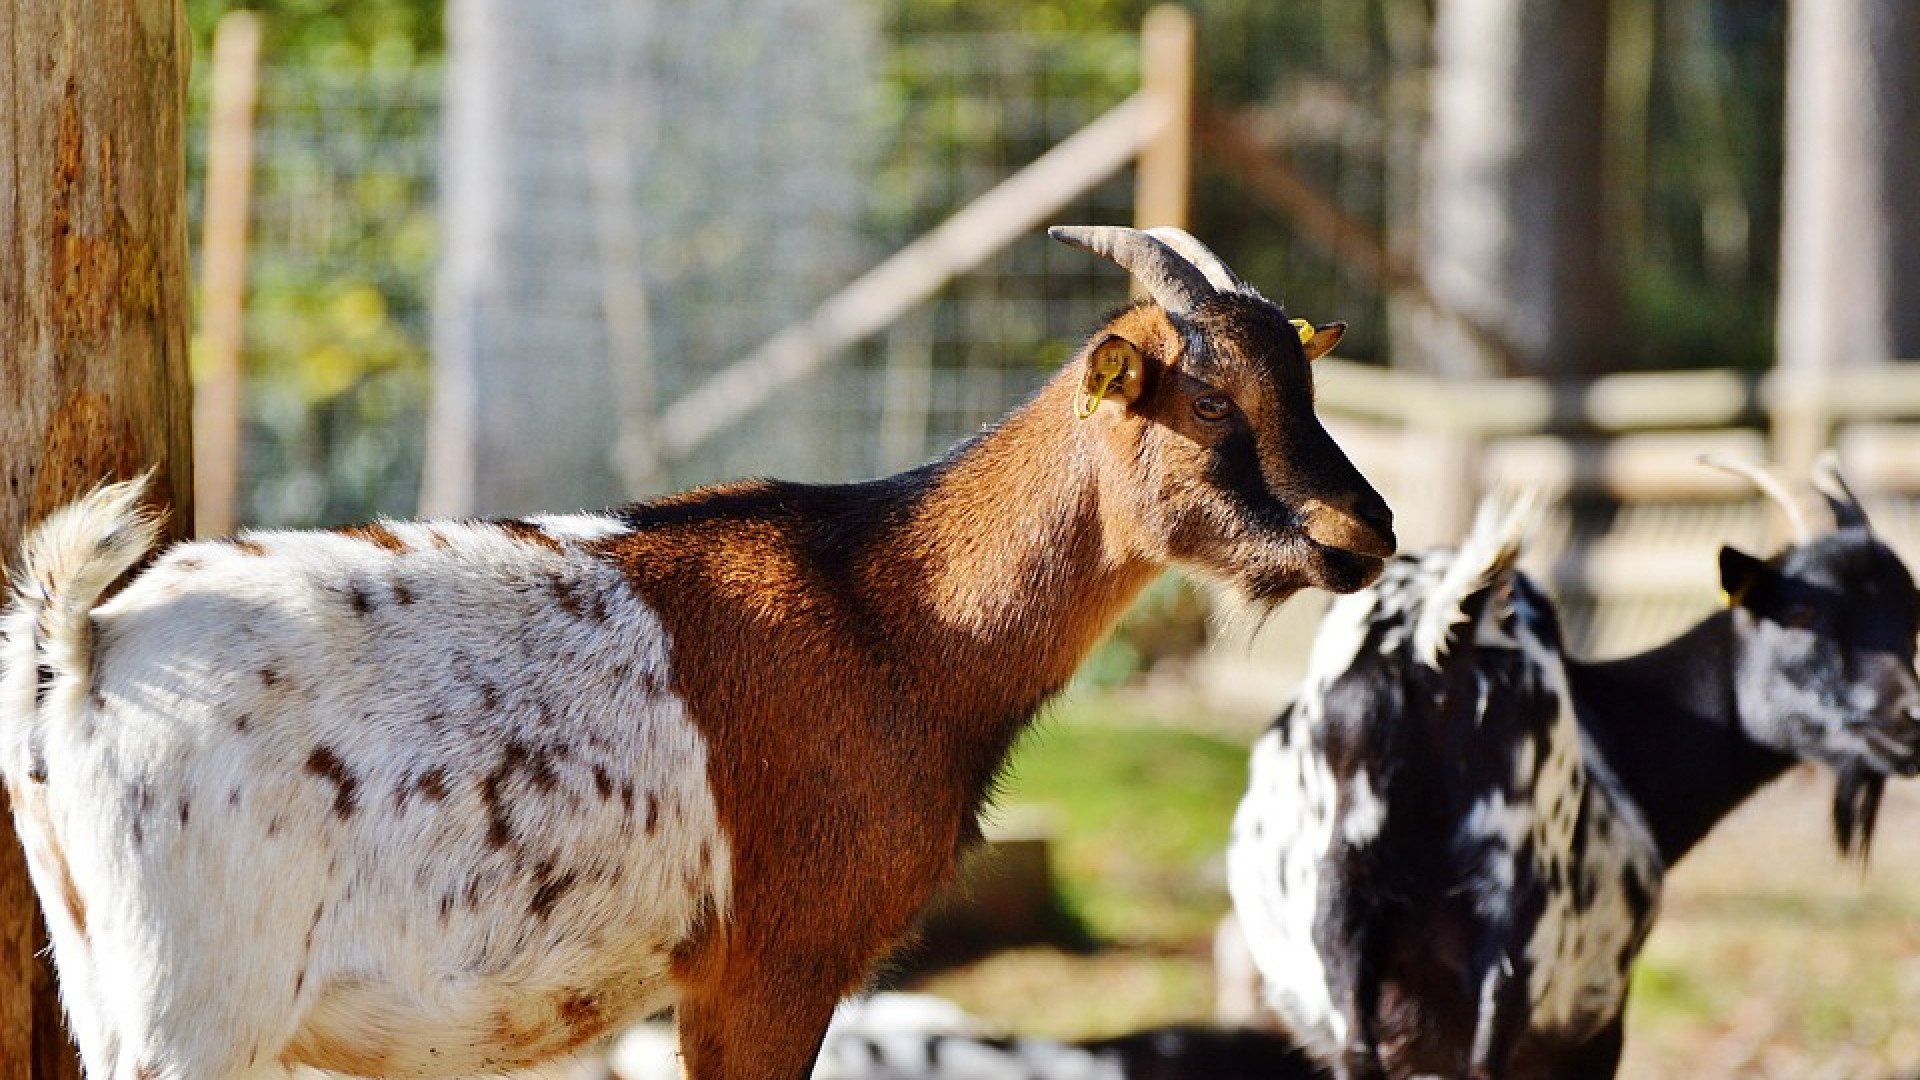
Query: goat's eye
{"type": "Point", "coordinates": [1800, 616]}
{"type": "Point", "coordinates": [1212, 407]}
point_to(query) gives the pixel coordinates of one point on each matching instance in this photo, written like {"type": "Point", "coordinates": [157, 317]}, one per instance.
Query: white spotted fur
{"type": "Point", "coordinates": [1286, 822]}
{"type": "Point", "coordinates": [183, 765]}
{"type": "Point", "coordinates": [1283, 826]}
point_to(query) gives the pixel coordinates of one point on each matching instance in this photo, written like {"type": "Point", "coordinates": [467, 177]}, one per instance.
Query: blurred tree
{"type": "Point", "coordinates": [1850, 250]}
{"type": "Point", "coordinates": [93, 335]}
{"type": "Point", "coordinates": [1514, 241]}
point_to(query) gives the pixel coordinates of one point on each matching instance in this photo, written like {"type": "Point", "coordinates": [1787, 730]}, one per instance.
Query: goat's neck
{"type": "Point", "coordinates": [1669, 722]}
{"type": "Point", "coordinates": [1016, 572]}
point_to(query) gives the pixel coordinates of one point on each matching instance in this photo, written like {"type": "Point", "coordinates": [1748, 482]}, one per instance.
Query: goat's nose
{"type": "Point", "coordinates": [1373, 511]}
{"type": "Point", "coordinates": [1361, 523]}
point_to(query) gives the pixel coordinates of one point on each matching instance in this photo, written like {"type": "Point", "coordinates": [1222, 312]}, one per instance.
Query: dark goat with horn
{"type": "Point", "coordinates": [448, 798]}
{"type": "Point", "coordinates": [1452, 844]}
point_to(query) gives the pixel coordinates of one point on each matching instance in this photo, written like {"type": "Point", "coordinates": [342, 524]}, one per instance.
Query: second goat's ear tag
{"type": "Point", "coordinates": [1323, 338]}
{"type": "Point", "coordinates": [1303, 328]}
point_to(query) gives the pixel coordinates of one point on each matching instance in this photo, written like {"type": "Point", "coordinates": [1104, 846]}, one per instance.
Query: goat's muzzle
{"type": "Point", "coordinates": [1359, 524]}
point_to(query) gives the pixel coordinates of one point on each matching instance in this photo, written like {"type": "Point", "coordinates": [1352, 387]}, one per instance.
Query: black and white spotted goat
{"type": "Point", "coordinates": [1452, 843]}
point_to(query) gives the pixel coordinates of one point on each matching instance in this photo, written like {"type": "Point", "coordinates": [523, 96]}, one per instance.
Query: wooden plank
{"type": "Point", "coordinates": [1163, 179]}
{"type": "Point", "coordinates": [223, 273]}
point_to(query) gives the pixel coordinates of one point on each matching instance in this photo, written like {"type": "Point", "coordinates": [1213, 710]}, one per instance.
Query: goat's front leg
{"type": "Point", "coordinates": [759, 1025]}
{"type": "Point", "coordinates": [1599, 1059]}
{"type": "Point", "coordinates": [1353, 933]}
{"type": "Point", "coordinates": [1501, 1016]}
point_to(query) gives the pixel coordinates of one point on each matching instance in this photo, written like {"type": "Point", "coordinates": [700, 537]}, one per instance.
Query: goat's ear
{"type": "Point", "coordinates": [1116, 371]}
{"type": "Point", "coordinates": [1739, 573]}
{"type": "Point", "coordinates": [1322, 339]}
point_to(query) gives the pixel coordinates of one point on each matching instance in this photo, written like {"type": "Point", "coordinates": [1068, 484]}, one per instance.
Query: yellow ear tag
{"type": "Point", "coordinates": [1107, 370]}
{"type": "Point", "coordinates": [1732, 599]}
{"type": "Point", "coordinates": [1303, 328]}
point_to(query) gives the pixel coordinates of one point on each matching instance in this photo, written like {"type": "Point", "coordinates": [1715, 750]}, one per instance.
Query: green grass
{"type": "Point", "coordinates": [1141, 816]}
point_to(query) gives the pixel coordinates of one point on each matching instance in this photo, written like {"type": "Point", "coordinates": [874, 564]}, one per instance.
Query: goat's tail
{"type": "Point", "coordinates": [67, 562]}
{"type": "Point", "coordinates": [1482, 565]}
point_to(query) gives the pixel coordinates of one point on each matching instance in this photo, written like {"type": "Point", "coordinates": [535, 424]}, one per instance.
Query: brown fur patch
{"type": "Point", "coordinates": [376, 534]}
{"type": "Point", "coordinates": [528, 533]}
{"type": "Point", "coordinates": [548, 889]}
{"type": "Point", "coordinates": [326, 764]}
{"type": "Point", "coordinates": [248, 547]}
{"type": "Point", "coordinates": [955, 610]}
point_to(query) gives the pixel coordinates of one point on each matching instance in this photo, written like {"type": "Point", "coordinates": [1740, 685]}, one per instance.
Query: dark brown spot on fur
{"type": "Point", "coordinates": [233, 797]}
{"type": "Point", "coordinates": [359, 599]}
{"type": "Point", "coordinates": [326, 764]}
{"type": "Point", "coordinates": [376, 534]}
{"type": "Point", "coordinates": [243, 721]}
{"type": "Point", "coordinates": [528, 533]}
{"type": "Point", "coordinates": [602, 781]}
{"type": "Point", "coordinates": [401, 594]}
{"type": "Point", "coordinates": [249, 547]}
{"type": "Point", "coordinates": [146, 1070]}
{"type": "Point", "coordinates": [548, 890]}
{"type": "Point", "coordinates": [566, 595]}
{"type": "Point", "coordinates": [653, 813]}
{"type": "Point", "coordinates": [186, 811]}
{"type": "Point", "coordinates": [269, 677]}
{"type": "Point", "coordinates": [579, 1011]}
{"type": "Point", "coordinates": [432, 784]}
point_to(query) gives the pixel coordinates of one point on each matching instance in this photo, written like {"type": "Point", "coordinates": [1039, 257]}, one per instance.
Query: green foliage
{"type": "Point", "coordinates": [370, 33]}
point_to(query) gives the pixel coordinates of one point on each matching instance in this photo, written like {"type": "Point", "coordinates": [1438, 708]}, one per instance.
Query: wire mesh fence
{"type": "Point", "coordinates": [345, 242]}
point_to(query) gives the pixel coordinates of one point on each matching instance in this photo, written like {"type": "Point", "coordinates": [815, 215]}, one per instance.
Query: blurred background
{"type": "Point", "coordinates": [479, 257]}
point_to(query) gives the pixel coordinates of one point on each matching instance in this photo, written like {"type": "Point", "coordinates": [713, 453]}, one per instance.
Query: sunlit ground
{"type": "Point", "coordinates": [1773, 959]}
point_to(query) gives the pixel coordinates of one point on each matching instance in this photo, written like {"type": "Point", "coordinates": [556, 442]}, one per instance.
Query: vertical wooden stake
{"type": "Point", "coordinates": [223, 273]}
{"type": "Point", "coordinates": [1163, 179]}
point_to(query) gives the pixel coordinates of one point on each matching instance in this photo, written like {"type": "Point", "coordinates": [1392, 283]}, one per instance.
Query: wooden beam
{"type": "Point", "coordinates": [1163, 178]}
{"type": "Point", "coordinates": [876, 298]}
{"type": "Point", "coordinates": [223, 274]}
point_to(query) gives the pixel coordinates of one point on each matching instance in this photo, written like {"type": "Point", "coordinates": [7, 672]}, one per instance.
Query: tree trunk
{"type": "Point", "coordinates": [1850, 245]}
{"type": "Point", "coordinates": [93, 332]}
{"type": "Point", "coordinates": [1514, 244]}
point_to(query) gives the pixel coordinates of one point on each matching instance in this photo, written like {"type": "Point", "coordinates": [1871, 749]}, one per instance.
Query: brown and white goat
{"type": "Point", "coordinates": [432, 799]}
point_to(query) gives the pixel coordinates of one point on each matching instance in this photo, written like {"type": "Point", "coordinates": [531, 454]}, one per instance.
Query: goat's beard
{"type": "Point", "coordinates": [1856, 809]}
{"type": "Point", "coordinates": [1239, 612]}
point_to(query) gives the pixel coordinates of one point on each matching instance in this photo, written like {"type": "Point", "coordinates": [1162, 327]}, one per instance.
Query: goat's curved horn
{"type": "Point", "coordinates": [1189, 247]}
{"type": "Point", "coordinates": [1847, 511]}
{"type": "Point", "coordinates": [1171, 280]}
{"type": "Point", "coordinates": [1770, 485]}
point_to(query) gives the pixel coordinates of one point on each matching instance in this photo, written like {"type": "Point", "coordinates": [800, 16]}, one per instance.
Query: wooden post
{"type": "Point", "coordinates": [223, 273]}
{"type": "Point", "coordinates": [93, 333]}
{"type": "Point", "coordinates": [1163, 178]}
